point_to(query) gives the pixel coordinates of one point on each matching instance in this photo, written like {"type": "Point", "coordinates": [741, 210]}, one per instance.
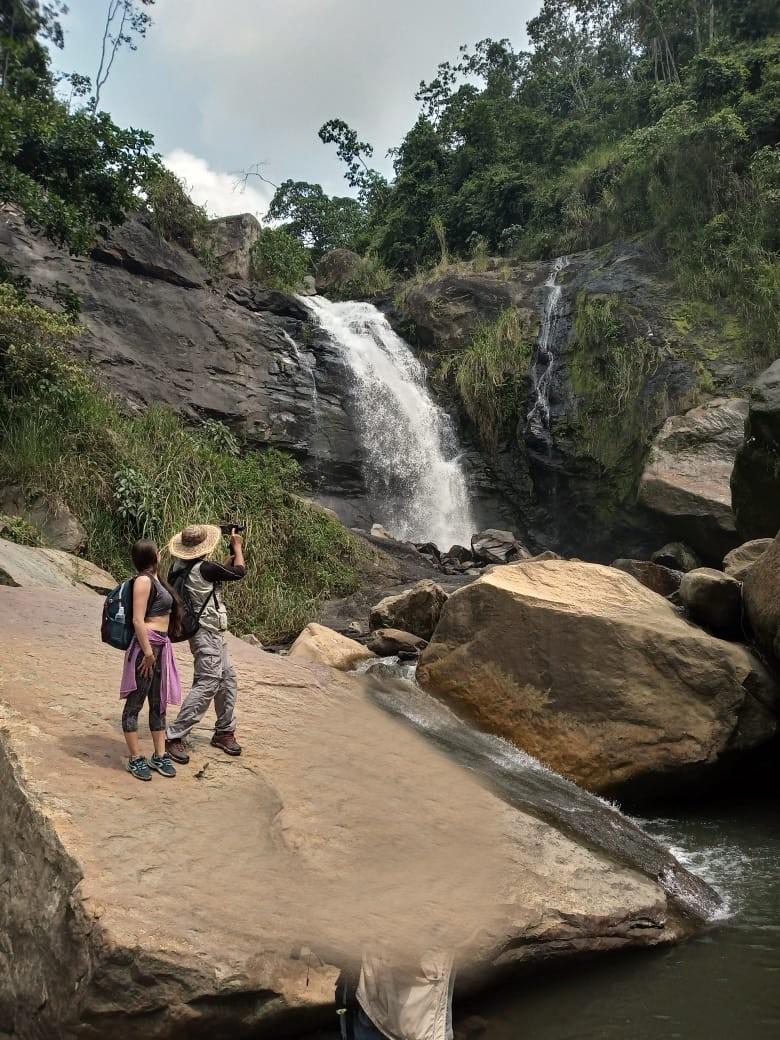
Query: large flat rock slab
{"type": "Point", "coordinates": [221, 902]}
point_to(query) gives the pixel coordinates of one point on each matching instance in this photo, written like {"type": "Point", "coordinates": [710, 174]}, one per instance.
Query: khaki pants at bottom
{"type": "Point", "coordinates": [214, 680]}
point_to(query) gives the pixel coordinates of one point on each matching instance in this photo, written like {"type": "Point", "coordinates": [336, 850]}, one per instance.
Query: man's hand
{"type": "Point", "coordinates": [236, 541]}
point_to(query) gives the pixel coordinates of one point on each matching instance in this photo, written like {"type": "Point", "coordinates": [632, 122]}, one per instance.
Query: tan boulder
{"type": "Point", "coordinates": [416, 610]}
{"type": "Point", "coordinates": [338, 825]}
{"type": "Point", "coordinates": [687, 478]}
{"type": "Point", "coordinates": [739, 561]}
{"type": "Point", "coordinates": [761, 595]}
{"type": "Point", "coordinates": [25, 566]}
{"type": "Point", "coordinates": [322, 645]}
{"type": "Point", "coordinates": [596, 675]}
{"type": "Point", "coordinates": [232, 238]}
{"type": "Point", "coordinates": [385, 642]}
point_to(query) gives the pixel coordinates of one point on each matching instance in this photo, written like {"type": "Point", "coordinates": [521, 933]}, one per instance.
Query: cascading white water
{"type": "Point", "coordinates": [539, 416]}
{"type": "Point", "coordinates": [415, 482]}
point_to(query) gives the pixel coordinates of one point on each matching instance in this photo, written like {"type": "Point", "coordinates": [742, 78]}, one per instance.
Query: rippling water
{"type": "Point", "coordinates": [724, 985]}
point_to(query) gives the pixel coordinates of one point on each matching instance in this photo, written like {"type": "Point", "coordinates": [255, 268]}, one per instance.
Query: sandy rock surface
{"type": "Point", "coordinates": [219, 903]}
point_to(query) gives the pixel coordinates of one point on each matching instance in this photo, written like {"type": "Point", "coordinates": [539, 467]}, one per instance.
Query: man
{"type": "Point", "coordinates": [214, 678]}
{"type": "Point", "coordinates": [392, 1002]}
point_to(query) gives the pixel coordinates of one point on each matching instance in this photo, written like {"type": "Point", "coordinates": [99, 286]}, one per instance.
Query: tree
{"type": "Point", "coordinates": [126, 22]}
{"type": "Point", "coordinates": [279, 260]}
{"type": "Point", "coordinates": [24, 60]}
{"type": "Point", "coordinates": [370, 184]}
{"type": "Point", "coordinates": [320, 222]}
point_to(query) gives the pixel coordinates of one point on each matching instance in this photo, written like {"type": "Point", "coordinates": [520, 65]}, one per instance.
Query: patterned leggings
{"type": "Point", "coordinates": [146, 688]}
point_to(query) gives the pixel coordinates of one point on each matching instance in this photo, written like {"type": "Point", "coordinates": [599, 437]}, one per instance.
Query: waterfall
{"type": "Point", "coordinates": [416, 486]}
{"type": "Point", "coordinates": [538, 420]}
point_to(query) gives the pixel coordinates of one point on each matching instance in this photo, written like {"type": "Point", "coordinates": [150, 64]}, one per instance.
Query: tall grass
{"type": "Point", "coordinates": [490, 373]}
{"type": "Point", "coordinates": [149, 475]}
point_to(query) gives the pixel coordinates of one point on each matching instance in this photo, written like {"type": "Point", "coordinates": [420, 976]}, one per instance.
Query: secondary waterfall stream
{"type": "Point", "coordinates": [415, 483]}
{"type": "Point", "coordinates": [538, 421]}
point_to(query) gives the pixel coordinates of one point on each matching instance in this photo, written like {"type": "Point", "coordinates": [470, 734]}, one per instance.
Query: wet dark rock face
{"type": "Point", "coordinates": [573, 481]}
{"type": "Point", "coordinates": [755, 482]}
{"type": "Point", "coordinates": [158, 331]}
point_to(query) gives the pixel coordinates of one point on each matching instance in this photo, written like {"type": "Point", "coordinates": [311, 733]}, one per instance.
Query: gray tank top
{"type": "Point", "coordinates": [162, 601]}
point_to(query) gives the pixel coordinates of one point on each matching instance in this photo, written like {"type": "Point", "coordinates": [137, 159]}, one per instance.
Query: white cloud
{"type": "Point", "coordinates": [221, 193]}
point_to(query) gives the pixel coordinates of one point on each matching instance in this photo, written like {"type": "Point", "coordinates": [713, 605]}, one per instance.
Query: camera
{"type": "Point", "coordinates": [228, 529]}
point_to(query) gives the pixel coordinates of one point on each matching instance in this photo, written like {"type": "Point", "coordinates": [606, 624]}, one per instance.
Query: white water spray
{"type": "Point", "coordinates": [416, 485]}
{"type": "Point", "coordinates": [539, 416]}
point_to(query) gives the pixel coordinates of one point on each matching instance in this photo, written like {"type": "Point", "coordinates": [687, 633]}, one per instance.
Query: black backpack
{"type": "Point", "coordinates": [116, 626]}
{"type": "Point", "coordinates": [188, 619]}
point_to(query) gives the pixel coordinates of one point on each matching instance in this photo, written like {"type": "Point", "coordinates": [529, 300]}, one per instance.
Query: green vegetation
{"type": "Point", "coordinates": [17, 529]}
{"type": "Point", "coordinates": [368, 278]}
{"type": "Point", "coordinates": [657, 117]}
{"type": "Point", "coordinates": [609, 366]}
{"type": "Point", "coordinates": [73, 172]}
{"type": "Point", "coordinates": [148, 475]}
{"type": "Point", "coordinates": [490, 374]}
{"type": "Point", "coordinates": [279, 260]}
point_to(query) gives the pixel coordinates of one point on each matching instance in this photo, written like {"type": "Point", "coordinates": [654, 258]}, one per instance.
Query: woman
{"type": "Point", "coordinates": [150, 667]}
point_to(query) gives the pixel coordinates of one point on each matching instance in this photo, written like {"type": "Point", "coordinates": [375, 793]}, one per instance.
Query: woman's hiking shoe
{"type": "Point", "coordinates": [139, 767]}
{"type": "Point", "coordinates": [177, 750]}
{"type": "Point", "coordinates": [226, 742]}
{"type": "Point", "coordinates": [163, 764]}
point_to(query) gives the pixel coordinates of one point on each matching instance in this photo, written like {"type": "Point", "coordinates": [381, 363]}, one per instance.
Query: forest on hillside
{"type": "Point", "coordinates": [625, 117]}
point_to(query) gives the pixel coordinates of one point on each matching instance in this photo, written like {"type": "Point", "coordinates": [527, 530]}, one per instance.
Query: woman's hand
{"type": "Point", "coordinates": [147, 665]}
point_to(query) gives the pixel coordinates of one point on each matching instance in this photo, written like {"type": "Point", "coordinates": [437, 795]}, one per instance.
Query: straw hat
{"type": "Point", "coordinates": [195, 541]}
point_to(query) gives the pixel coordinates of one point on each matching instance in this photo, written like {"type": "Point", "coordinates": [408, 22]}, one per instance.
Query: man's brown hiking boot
{"type": "Point", "coordinates": [178, 751]}
{"type": "Point", "coordinates": [226, 742]}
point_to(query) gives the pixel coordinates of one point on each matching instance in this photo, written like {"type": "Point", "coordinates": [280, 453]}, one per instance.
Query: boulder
{"type": "Point", "coordinates": [493, 546]}
{"type": "Point", "coordinates": [761, 595]}
{"type": "Point", "coordinates": [662, 580]}
{"type": "Point", "coordinates": [416, 610]}
{"type": "Point", "coordinates": [141, 251]}
{"type": "Point", "coordinates": [686, 481]}
{"type": "Point", "coordinates": [59, 528]}
{"type": "Point", "coordinates": [25, 566]}
{"type": "Point", "coordinates": [324, 646]}
{"type": "Point", "coordinates": [460, 554]}
{"type": "Point", "coordinates": [677, 557]}
{"type": "Point", "coordinates": [755, 482]}
{"type": "Point", "coordinates": [155, 332]}
{"type": "Point", "coordinates": [597, 676]}
{"type": "Point", "coordinates": [279, 854]}
{"type": "Point", "coordinates": [713, 599]}
{"type": "Point", "coordinates": [336, 269]}
{"type": "Point", "coordinates": [233, 238]}
{"type": "Point", "coordinates": [378, 531]}
{"type": "Point", "coordinates": [739, 561]}
{"type": "Point", "coordinates": [387, 642]}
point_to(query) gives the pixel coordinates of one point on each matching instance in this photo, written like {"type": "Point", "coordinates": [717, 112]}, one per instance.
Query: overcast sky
{"type": "Point", "coordinates": [226, 84]}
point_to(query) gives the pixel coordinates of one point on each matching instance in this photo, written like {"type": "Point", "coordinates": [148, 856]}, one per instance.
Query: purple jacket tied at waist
{"type": "Point", "coordinates": [170, 684]}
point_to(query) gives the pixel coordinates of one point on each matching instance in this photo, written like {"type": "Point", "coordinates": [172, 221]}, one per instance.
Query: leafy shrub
{"type": "Point", "coordinates": [17, 529]}
{"type": "Point", "coordinates": [490, 373]}
{"type": "Point", "coordinates": [172, 213]}
{"type": "Point", "coordinates": [279, 260]}
{"type": "Point", "coordinates": [150, 475]}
